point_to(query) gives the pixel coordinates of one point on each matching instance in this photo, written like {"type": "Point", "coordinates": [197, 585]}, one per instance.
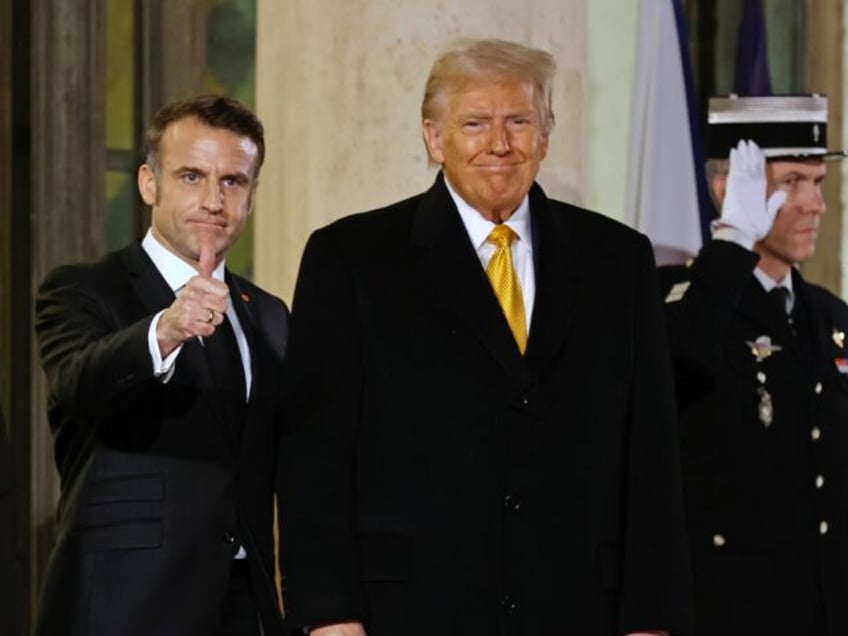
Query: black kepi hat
{"type": "Point", "coordinates": [783, 126]}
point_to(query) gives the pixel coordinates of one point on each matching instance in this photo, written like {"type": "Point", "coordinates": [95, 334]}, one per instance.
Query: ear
{"type": "Point", "coordinates": [718, 185]}
{"type": "Point", "coordinates": [252, 197]}
{"type": "Point", "coordinates": [147, 186]}
{"type": "Point", "coordinates": [433, 138]}
{"type": "Point", "coordinates": [543, 144]}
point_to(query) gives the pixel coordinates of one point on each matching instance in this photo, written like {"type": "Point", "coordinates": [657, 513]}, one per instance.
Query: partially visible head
{"type": "Point", "coordinates": [215, 111]}
{"type": "Point", "coordinates": [201, 174]}
{"type": "Point", "coordinates": [486, 119]}
{"type": "Point", "coordinates": [791, 132]}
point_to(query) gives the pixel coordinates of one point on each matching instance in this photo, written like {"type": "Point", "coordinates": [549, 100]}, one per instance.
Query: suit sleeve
{"type": "Point", "coordinates": [657, 586]}
{"type": "Point", "coordinates": [698, 319]}
{"type": "Point", "coordinates": [321, 407]}
{"type": "Point", "coordinates": [94, 367]}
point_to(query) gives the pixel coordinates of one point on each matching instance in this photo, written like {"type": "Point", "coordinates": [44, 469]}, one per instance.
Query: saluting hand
{"type": "Point", "coordinates": [745, 206]}
{"type": "Point", "coordinates": [198, 309]}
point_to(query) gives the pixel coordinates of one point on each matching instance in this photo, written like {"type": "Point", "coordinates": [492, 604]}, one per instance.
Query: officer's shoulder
{"type": "Point", "coordinates": [828, 301]}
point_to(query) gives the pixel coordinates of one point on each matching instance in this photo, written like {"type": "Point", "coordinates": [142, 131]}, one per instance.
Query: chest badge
{"type": "Point", "coordinates": [762, 347]}
{"type": "Point", "coordinates": [838, 338]}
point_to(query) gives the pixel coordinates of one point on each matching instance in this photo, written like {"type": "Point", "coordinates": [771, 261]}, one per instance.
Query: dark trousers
{"type": "Point", "coordinates": [240, 617]}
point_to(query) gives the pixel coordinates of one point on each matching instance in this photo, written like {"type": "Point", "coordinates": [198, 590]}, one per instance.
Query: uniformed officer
{"type": "Point", "coordinates": [762, 377]}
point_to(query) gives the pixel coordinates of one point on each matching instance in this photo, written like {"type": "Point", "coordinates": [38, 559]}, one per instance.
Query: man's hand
{"type": "Point", "coordinates": [340, 629]}
{"type": "Point", "coordinates": [745, 207]}
{"type": "Point", "coordinates": [198, 309]}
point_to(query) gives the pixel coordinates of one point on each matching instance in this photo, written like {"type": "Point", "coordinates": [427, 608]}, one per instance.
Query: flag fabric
{"type": "Point", "coordinates": [666, 188]}
{"type": "Point", "coordinates": [752, 77]}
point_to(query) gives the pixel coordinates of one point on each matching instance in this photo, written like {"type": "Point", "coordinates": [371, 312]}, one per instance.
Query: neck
{"type": "Point", "coordinates": [774, 268]}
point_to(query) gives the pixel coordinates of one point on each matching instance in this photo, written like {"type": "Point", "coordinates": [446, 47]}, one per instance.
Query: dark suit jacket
{"type": "Point", "coordinates": [159, 487]}
{"type": "Point", "coordinates": [754, 501]}
{"type": "Point", "coordinates": [436, 481]}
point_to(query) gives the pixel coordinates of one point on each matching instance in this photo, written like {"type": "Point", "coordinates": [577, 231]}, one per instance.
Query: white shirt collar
{"type": "Point", "coordinates": [174, 270]}
{"type": "Point", "coordinates": [769, 284]}
{"type": "Point", "coordinates": [479, 227]}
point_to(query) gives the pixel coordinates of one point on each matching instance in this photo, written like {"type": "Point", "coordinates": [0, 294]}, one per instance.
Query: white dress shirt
{"type": "Point", "coordinates": [479, 227]}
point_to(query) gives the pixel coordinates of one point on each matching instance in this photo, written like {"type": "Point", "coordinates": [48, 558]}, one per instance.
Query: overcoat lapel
{"type": "Point", "coordinates": [559, 268]}
{"type": "Point", "coordinates": [451, 272]}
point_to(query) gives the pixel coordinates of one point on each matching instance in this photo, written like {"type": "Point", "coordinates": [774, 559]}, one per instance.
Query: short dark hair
{"type": "Point", "coordinates": [217, 111]}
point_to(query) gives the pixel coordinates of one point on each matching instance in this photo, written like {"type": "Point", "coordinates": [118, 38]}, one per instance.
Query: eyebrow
{"type": "Point", "coordinates": [241, 177]}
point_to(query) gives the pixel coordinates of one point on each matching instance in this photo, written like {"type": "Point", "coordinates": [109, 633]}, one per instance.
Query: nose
{"type": "Point", "coordinates": [499, 140]}
{"type": "Point", "coordinates": [213, 199]}
{"type": "Point", "coordinates": [814, 201]}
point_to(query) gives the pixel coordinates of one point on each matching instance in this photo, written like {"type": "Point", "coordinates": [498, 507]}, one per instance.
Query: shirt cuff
{"type": "Point", "coordinates": [162, 369]}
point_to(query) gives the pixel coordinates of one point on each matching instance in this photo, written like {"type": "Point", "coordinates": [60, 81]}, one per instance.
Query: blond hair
{"type": "Point", "coordinates": [473, 60]}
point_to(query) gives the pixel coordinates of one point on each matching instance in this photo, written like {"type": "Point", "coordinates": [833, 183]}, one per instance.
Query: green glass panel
{"type": "Point", "coordinates": [120, 74]}
{"type": "Point", "coordinates": [121, 197]}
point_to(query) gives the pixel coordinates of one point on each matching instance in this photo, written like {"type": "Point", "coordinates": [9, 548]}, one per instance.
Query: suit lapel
{"type": "Point", "coordinates": [244, 310]}
{"type": "Point", "coordinates": [153, 292]}
{"type": "Point", "coordinates": [450, 271]}
{"type": "Point", "coordinates": [148, 284]}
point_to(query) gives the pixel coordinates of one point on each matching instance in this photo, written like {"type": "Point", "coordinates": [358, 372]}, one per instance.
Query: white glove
{"type": "Point", "coordinates": [745, 208]}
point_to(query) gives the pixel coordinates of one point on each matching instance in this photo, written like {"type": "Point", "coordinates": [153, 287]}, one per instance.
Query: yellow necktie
{"type": "Point", "coordinates": [505, 283]}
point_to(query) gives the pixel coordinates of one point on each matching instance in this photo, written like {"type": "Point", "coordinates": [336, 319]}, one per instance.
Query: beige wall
{"type": "Point", "coordinates": [339, 88]}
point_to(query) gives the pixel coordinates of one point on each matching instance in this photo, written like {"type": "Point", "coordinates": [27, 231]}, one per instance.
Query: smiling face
{"type": "Point", "coordinates": [792, 238]}
{"type": "Point", "coordinates": [489, 140]}
{"type": "Point", "coordinates": [202, 192]}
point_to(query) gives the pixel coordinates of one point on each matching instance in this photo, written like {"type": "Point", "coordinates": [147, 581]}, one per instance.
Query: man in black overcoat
{"type": "Point", "coordinates": [481, 436]}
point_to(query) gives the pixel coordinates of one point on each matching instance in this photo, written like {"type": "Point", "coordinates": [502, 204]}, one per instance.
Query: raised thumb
{"type": "Point", "coordinates": [207, 260]}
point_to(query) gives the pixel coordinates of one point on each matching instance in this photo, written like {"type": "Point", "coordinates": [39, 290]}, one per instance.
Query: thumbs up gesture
{"type": "Point", "coordinates": [198, 308]}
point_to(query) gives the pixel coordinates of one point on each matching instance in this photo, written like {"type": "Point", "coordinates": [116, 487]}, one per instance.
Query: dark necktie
{"type": "Point", "coordinates": [778, 297]}
{"type": "Point", "coordinates": [225, 361]}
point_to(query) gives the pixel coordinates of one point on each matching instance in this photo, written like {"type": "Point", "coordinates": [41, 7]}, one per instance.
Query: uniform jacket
{"type": "Point", "coordinates": [436, 481]}
{"type": "Point", "coordinates": [765, 447]}
{"type": "Point", "coordinates": [160, 485]}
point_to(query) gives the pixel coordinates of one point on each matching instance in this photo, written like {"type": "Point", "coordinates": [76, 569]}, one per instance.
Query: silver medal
{"type": "Point", "coordinates": [765, 409]}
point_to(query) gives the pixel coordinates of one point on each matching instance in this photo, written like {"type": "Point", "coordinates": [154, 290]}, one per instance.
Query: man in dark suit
{"type": "Point", "coordinates": [162, 368]}
{"type": "Point", "coordinates": [481, 438]}
{"type": "Point", "coordinates": [761, 367]}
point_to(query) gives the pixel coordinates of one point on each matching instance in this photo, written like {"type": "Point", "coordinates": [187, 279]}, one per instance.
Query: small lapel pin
{"type": "Point", "coordinates": [841, 365]}
{"type": "Point", "coordinates": [839, 338]}
{"type": "Point", "coordinates": [762, 348]}
{"type": "Point", "coordinates": [245, 297]}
